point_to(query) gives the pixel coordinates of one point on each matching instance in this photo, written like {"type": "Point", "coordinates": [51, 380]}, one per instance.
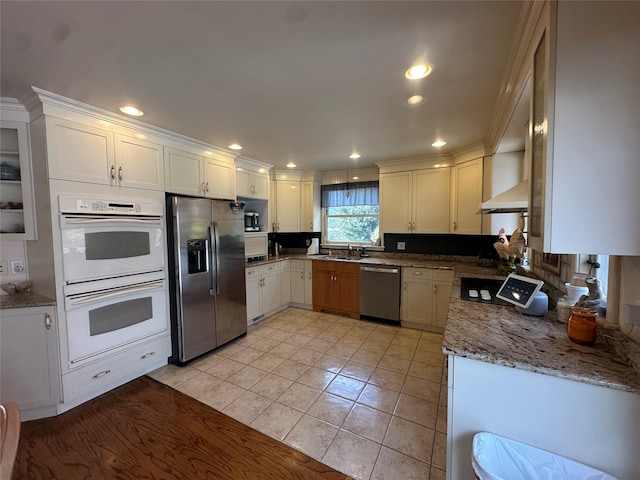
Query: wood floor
{"type": "Point", "coordinates": [146, 430]}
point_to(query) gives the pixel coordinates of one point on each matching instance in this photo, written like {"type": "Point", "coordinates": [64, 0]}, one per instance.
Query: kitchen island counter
{"type": "Point", "coordinates": [503, 336]}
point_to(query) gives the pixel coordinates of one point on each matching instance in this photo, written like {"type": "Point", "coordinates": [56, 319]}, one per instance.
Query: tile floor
{"type": "Point", "coordinates": [367, 399]}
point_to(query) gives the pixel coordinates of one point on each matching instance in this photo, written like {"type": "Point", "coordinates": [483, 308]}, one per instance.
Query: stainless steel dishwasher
{"type": "Point", "coordinates": [380, 292]}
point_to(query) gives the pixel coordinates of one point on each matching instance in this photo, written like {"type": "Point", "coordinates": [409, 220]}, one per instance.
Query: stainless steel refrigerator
{"type": "Point", "coordinates": [206, 256]}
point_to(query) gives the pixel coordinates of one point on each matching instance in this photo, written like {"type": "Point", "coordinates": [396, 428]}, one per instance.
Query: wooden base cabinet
{"type": "Point", "coordinates": [425, 298]}
{"type": "Point", "coordinates": [29, 360]}
{"type": "Point", "coordinates": [336, 287]}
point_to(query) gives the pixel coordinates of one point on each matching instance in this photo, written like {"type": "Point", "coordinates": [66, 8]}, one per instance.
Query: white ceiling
{"type": "Point", "coordinates": [301, 81]}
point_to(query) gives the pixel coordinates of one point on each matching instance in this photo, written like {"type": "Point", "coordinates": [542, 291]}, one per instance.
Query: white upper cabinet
{"type": "Point", "coordinates": [311, 218]}
{"type": "Point", "coordinates": [467, 197]}
{"type": "Point", "coordinates": [252, 184]}
{"type": "Point", "coordinates": [585, 123]}
{"type": "Point", "coordinates": [79, 152]}
{"type": "Point", "coordinates": [219, 178]}
{"type": "Point", "coordinates": [139, 163]}
{"type": "Point", "coordinates": [16, 189]}
{"type": "Point", "coordinates": [415, 201]}
{"type": "Point", "coordinates": [431, 195]}
{"type": "Point", "coordinates": [84, 153]}
{"type": "Point", "coordinates": [184, 172]}
{"type": "Point", "coordinates": [288, 204]}
{"type": "Point", "coordinates": [188, 173]}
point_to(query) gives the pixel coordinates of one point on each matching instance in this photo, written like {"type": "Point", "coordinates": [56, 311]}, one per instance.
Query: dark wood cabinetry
{"type": "Point", "coordinates": [336, 287]}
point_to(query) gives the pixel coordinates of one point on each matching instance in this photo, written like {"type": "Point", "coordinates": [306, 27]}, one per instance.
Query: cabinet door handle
{"type": "Point", "coordinates": [147, 355]}
{"type": "Point", "coordinates": [278, 226]}
{"type": "Point", "coordinates": [102, 374]}
{"type": "Point", "coordinates": [417, 273]}
{"type": "Point", "coordinates": [273, 226]}
{"type": "Point", "coordinates": [301, 275]}
{"type": "Point", "coordinates": [120, 173]}
{"type": "Point", "coordinates": [455, 225]}
{"type": "Point", "coordinates": [409, 226]}
{"type": "Point", "coordinates": [47, 321]}
{"type": "Point", "coordinates": [413, 226]}
{"type": "Point", "coordinates": [309, 275]}
{"type": "Point", "coordinates": [113, 172]}
{"type": "Point", "coordinates": [311, 226]}
{"type": "Point", "coordinates": [404, 286]}
{"type": "Point", "coordinates": [206, 187]}
{"type": "Point", "coordinates": [435, 289]}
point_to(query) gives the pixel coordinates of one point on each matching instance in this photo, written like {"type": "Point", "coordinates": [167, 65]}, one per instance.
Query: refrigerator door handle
{"type": "Point", "coordinates": [215, 257]}
{"type": "Point", "coordinates": [210, 259]}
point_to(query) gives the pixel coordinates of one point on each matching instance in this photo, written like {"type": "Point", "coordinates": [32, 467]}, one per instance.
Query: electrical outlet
{"type": "Point", "coordinates": [17, 266]}
{"type": "Point", "coordinates": [4, 267]}
{"type": "Point", "coordinates": [401, 246]}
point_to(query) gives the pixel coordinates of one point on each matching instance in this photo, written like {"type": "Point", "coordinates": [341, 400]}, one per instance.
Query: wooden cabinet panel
{"type": "Point", "coordinates": [336, 287]}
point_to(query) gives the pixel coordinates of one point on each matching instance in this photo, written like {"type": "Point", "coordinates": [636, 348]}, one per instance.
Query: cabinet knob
{"type": "Point", "coordinates": [47, 321]}
{"type": "Point", "coordinates": [113, 172]}
{"type": "Point", "coordinates": [120, 173]}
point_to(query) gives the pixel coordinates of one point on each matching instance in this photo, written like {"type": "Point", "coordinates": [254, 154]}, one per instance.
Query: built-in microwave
{"type": "Point", "coordinates": [251, 222]}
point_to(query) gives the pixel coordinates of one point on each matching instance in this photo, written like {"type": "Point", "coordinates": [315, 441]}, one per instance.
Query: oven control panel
{"type": "Point", "coordinates": [72, 204]}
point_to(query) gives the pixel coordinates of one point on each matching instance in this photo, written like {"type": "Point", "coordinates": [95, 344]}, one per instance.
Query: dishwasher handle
{"type": "Point", "coordinates": [380, 270]}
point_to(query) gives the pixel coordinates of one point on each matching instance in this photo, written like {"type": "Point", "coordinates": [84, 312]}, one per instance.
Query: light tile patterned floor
{"type": "Point", "coordinates": [367, 399]}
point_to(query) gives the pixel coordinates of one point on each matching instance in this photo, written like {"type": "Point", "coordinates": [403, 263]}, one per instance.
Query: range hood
{"type": "Point", "coordinates": [514, 200]}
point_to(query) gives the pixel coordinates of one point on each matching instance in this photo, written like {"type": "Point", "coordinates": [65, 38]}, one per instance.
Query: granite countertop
{"type": "Point", "coordinates": [24, 300]}
{"type": "Point", "coordinates": [445, 265]}
{"type": "Point", "coordinates": [503, 336]}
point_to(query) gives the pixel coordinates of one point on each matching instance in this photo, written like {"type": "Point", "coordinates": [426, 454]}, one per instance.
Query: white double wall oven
{"type": "Point", "coordinates": [113, 258]}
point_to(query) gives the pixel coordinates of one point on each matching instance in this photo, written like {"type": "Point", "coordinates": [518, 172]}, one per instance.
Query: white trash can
{"type": "Point", "coordinates": [499, 458]}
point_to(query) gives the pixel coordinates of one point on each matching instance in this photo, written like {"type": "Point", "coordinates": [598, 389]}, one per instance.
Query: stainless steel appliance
{"type": "Point", "coordinates": [208, 301]}
{"type": "Point", "coordinates": [380, 292]}
{"type": "Point", "coordinates": [114, 278]}
{"type": "Point", "coordinates": [251, 222]}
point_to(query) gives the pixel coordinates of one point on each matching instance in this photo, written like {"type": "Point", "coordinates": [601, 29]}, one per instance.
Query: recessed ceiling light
{"type": "Point", "coordinates": [439, 143]}
{"type": "Point", "coordinates": [354, 156]}
{"type": "Point", "coordinates": [417, 72]}
{"type": "Point", "coordinates": [415, 100]}
{"type": "Point", "coordinates": [131, 110]}
{"type": "Point", "coordinates": [235, 146]}
{"type": "Point", "coordinates": [355, 178]}
{"type": "Point", "coordinates": [291, 165]}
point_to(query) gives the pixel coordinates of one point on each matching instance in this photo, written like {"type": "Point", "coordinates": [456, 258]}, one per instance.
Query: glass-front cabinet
{"type": "Point", "coordinates": [16, 195]}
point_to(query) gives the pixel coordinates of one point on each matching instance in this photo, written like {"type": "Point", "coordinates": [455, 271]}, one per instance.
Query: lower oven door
{"type": "Point", "coordinates": [99, 321]}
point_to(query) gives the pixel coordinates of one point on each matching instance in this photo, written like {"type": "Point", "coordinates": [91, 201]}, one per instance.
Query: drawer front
{"type": "Point", "coordinates": [417, 274]}
{"type": "Point", "coordinates": [326, 265]}
{"type": "Point", "coordinates": [297, 264]}
{"type": "Point", "coordinates": [346, 267]}
{"type": "Point", "coordinates": [116, 370]}
{"type": "Point", "coordinates": [270, 268]}
{"type": "Point", "coordinates": [252, 272]}
{"type": "Point", "coordinates": [444, 275]}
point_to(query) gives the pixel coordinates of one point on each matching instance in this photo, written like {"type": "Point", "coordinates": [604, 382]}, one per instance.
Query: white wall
{"type": "Point", "coordinates": [13, 250]}
{"type": "Point", "coordinates": [507, 170]}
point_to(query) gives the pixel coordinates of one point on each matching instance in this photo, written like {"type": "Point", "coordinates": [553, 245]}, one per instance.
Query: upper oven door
{"type": "Point", "coordinates": [96, 247]}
